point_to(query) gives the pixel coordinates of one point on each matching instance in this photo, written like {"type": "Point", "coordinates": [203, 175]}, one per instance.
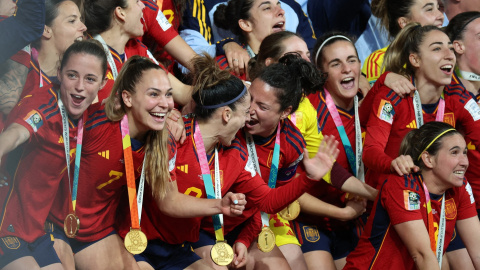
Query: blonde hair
{"type": "Point", "coordinates": [157, 174]}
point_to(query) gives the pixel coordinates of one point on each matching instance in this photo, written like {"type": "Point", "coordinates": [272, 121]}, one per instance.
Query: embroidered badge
{"type": "Point", "coordinates": [450, 209]}
{"type": "Point", "coordinates": [449, 118]}
{"type": "Point", "coordinates": [311, 233]}
{"type": "Point", "coordinates": [411, 200]}
{"type": "Point", "coordinates": [385, 111]}
{"type": "Point", "coordinates": [34, 119]}
{"type": "Point", "coordinates": [11, 242]}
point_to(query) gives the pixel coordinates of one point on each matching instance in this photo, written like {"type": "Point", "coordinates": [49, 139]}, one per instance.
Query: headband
{"type": "Point", "coordinates": [225, 103]}
{"type": "Point", "coordinates": [327, 40]}
{"type": "Point", "coordinates": [436, 138]}
{"type": "Point", "coordinates": [454, 37]}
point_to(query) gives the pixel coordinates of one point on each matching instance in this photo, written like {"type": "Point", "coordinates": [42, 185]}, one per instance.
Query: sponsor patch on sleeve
{"type": "Point", "coordinates": [171, 163]}
{"type": "Point", "coordinates": [163, 21]}
{"type": "Point", "coordinates": [473, 109]}
{"type": "Point", "coordinates": [34, 119]}
{"type": "Point", "coordinates": [470, 192]}
{"type": "Point", "coordinates": [411, 199]}
{"type": "Point", "coordinates": [385, 111]}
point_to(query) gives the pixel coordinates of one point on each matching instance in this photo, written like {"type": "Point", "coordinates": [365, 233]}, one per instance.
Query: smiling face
{"type": "Point", "coordinates": [265, 111]}
{"type": "Point", "coordinates": [133, 18]}
{"type": "Point", "coordinates": [236, 120]}
{"type": "Point", "coordinates": [266, 17]}
{"type": "Point", "coordinates": [148, 106]}
{"type": "Point", "coordinates": [66, 27]}
{"type": "Point", "coordinates": [425, 12]}
{"type": "Point", "coordinates": [435, 60]}
{"type": "Point", "coordinates": [80, 79]}
{"type": "Point", "coordinates": [340, 62]}
{"type": "Point", "coordinates": [450, 163]}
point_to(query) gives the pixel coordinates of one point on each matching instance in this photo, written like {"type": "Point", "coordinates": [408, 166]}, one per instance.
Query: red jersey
{"type": "Point", "coordinates": [402, 199]}
{"type": "Point", "coordinates": [392, 117]}
{"type": "Point", "coordinates": [222, 62]}
{"type": "Point", "coordinates": [40, 168]}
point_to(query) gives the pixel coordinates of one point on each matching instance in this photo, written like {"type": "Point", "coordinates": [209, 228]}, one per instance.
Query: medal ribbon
{"type": "Point", "coordinates": [343, 135]}
{"type": "Point", "coordinates": [110, 60]}
{"type": "Point", "coordinates": [133, 202]}
{"type": "Point", "coordinates": [272, 178]}
{"type": "Point", "coordinates": [467, 75]}
{"type": "Point", "coordinates": [207, 180]}
{"type": "Point", "coordinates": [417, 106]}
{"type": "Point", "coordinates": [78, 151]}
{"type": "Point", "coordinates": [436, 246]}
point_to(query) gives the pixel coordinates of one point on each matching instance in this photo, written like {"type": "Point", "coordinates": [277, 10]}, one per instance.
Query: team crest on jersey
{"type": "Point", "coordinates": [385, 111]}
{"type": "Point", "coordinates": [311, 233]}
{"type": "Point", "coordinates": [450, 209]}
{"type": "Point", "coordinates": [34, 119]}
{"type": "Point", "coordinates": [212, 172]}
{"type": "Point", "coordinates": [411, 200]}
{"type": "Point", "coordinates": [11, 242]}
{"type": "Point", "coordinates": [449, 118]}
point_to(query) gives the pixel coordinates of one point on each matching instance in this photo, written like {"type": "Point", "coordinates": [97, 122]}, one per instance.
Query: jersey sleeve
{"type": "Point", "coordinates": [251, 230]}
{"type": "Point", "coordinates": [304, 27]}
{"type": "Point", "coordinates": [470, 120]}
{"type": "Point", "coordinates": [466, 202]}
{"type": "Point", "coordinates": [372, 66]}
{"type": "Point", "coordinates": [402, 204]}
{"type": "Point", "coordinates": [382, 116]}
{"type": "Point", "coordinates": [157, 25]}
{"type": "Point", "coordinates": [172, 154]}
{"type": "Point", "coordinates": [367, 101]}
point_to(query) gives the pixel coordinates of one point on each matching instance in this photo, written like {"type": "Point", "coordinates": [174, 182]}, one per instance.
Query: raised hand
{"type": "Point", "coordinates": [319, 165]}
{"type": "Point", "coordinates": [403, 164]}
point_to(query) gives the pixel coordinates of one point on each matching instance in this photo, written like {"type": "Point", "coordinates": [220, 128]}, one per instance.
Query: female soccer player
{"type": "Point", "coordinates": [425, 55]}
{"type": "Point", "coordinates": [415, 214]}
{"type": "Point", "coordinates": [462, 30]}
{"type": "Point", "coordinates": [395, 15]}
{"type": "Point", "coordinates": [135, 113]}
{"type": "Point", "coordinates": [49, 123]}
{"type": "Point", "coordinates": [117, 24]}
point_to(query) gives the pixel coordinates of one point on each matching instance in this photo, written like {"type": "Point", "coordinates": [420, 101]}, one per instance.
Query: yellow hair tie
{"type": "Point", "coordinates": [436, 138]}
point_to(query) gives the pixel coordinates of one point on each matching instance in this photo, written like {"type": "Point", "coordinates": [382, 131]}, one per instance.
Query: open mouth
{"type": "Point", "coordinates": [447, 69]}
{"type": "Point", "coordinates": [460, 174]}
{"type": "Point", "coordinates": [348, 83]}
{"type": "Point", "coordinates": [159, 117]}
{"type": "Point", "coordinates": [76, 99]}
{"type": "Point", "coordinates": [279, 27]}
{"type": "Point", "coordinates": [251, 123]}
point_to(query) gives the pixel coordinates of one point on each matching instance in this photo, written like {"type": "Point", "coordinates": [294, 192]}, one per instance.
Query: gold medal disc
{"type": "Point", "coordinates": [222, 253]}
{"type": "Point", "coordinates": [291, 212]}
{"type": "Point", "coordinates": [135, 241]}
{"type": "Point", "coordinates": [71, 225]}
{"type": "Point", "coordinates": [266, 240]}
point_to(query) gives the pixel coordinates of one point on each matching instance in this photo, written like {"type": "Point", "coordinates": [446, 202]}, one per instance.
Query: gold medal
{"type": "Point", "coordinates": [135, 241]}
{"type": "Point", "coordinates": [291, 212]}
{"type": "Point", "coordinates": [222, 253]}
{"type": "Point", "coordinates": [71, 225]}
{"type": "Point", "coordinates": [266, 240]}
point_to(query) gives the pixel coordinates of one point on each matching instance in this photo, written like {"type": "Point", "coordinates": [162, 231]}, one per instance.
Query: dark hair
{"type": "Point", "coordinates": [212, 86]}
{"type": "Point", "coordinates": [291, 77]}
{"type": "Point", "coordinates": [407, 41]}
{"type": "Point", "coordinates": [99, 14]}
{"type": "Point", "coordinates": [417, 140]}
{"type": "Point", "coordinates": [388, 11]}
{"type": "Point", "coordinates": [51, 13]}
{"type": "Point", "coordinates": [457, 25]}
{"type": "Point", "coordinates": [227, 16]}
{"type": "Point", "coordinates": [156, 143]}
{"type": "Point", "coordinates": [318, 56]}
{"type": "Point", "coordinates": [271, 47]}
{"type": "Point", "coordinates": [91, 47]}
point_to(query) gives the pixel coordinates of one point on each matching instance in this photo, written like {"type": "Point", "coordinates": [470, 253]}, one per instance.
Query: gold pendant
{"type": "Point", "coordinates": [266, 240]}
{"type": "Point", "coordinates": [291, 212]}
{"type": "Point", "coordinates": [222, 253]}
{"type": "Point", "coordinates": [135, 241]}
{"type": "Point", "coordinates": [71, 225]}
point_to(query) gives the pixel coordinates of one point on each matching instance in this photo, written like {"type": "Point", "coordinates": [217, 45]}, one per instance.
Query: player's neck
{"type": "Point", "coordinates": [115, 39]}
{"type": "Point", "coordinates": [254, 45]}
{"type": "Point", "coordinates": [210, 134]}
{"type": "Point", "coordinates": [48, 60]}
{"type": "Point", "coordinates": [433, 183]}
{"type": "Point", "coordinates": [429, 93]}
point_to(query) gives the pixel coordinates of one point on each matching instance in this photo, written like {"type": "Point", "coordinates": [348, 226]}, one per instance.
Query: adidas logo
{"type": "Point", "coordinates": [105, 154]}
{"type": "Point", "coordinates": [470, 146]}
{"type": "Point", "coordinates": [183, 168]}
{"type": "Point", "coordinates": [412, 125]}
